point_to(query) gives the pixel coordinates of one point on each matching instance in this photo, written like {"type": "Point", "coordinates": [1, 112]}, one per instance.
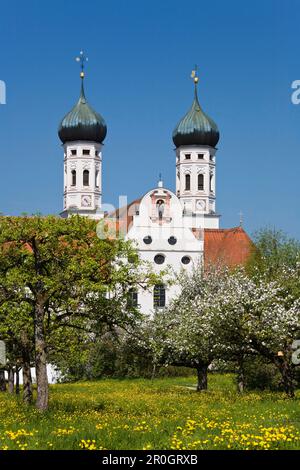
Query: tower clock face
{"type": "Point", "coordinates": [200, 204]}
{"type": "Point", "coordinates": [86, 201]}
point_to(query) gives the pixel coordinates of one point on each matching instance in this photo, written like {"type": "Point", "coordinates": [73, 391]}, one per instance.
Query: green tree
{"type": "Point", "coordinates": [273, 251]}
{"type": "Point", "coordinates": [16, 329]}
{"type": "Point", "coordinates": [67, 276]}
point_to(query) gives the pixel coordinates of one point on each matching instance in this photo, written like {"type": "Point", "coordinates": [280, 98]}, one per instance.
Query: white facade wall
{"type": "Point", "coordinates": [197, 160]}
{"type": "Point", "coordinates": [79, 198]}
{"type": "Point", "coordinates": [173, 224]}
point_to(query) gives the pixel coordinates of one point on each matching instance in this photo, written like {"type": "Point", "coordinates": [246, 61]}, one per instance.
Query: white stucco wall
{"type": "Point", "coordinates": [173, 223]}
{"type": "Point", "coordinates": [84, 200]}
{"type": "Point", "coordinates": [197, 200]}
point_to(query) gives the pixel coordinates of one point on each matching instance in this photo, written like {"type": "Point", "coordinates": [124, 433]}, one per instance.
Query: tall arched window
{"type": "Point", "coordinates": [97, 179]}
{"type": "Point", "coordinates": [73, 173]}
{"type": "Point", "coordinates": [200, 182]}
{"type": "Point", "coordinates": [210, 183]}
{"type": "Point", "coordinates": [160, 206]}
{"type": "Point", "coordinates": [132, 298]}
{"type": "Point", "coordinates": [187, 182]}
{"type": "Point", "coordinates": [86, 177]}
{"type": "Point", "coordinates": [159, 296]}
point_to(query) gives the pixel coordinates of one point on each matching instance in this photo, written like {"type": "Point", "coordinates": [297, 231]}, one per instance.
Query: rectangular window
{"type": "Point", "coordinates": [159, 296]}
{"type": "Point", "coordinates": [187, 156]}
{"type": "Point", "coordinates": [96, 153]}
{"type": "Point", "coordinates": [85, 152]}
{"type": "Point", "coordinates": [132, 299]}
{"type": "Point", "coordinates": [200, 156]}
{"type": "Point", "coordinates": [73, 152]}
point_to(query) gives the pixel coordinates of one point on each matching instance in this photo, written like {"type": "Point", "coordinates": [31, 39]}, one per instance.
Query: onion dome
{"type": "Point", "coordinates": [196, 128]}
{"type": "Point", "coordinates": [82, 122]}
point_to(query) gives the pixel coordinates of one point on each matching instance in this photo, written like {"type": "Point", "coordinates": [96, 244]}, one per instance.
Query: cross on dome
{"type": "Point", "coordinates": [194, 74]}
{"type": "Point", "coordinates": [82, 58]}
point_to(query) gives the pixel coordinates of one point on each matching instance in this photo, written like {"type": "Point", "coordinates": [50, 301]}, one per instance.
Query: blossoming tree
{"type": "Point", "coordinates": [68, 278]}
{"type": "Point", "coordinates": [230, 315]}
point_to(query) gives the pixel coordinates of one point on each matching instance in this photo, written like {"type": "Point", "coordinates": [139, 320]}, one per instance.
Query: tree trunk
{"type": "Point", "coordinates": [2, 381]}
{"type": "Point", "coordinates": [17, 381]}
{"type": "Point", "coordinates": [241, 376]}
{"type": "Point", "coordinates": [202, 377]}
{"type": "Point", "coordinates": [27, 382]}
{"type": "Point", "coordinates": [26, 371]}
{"type": "Point", "coordinates": [41, 359]}
{"type": "Point", "coordinates": [287, 374]}
{"type": "Point", "coordinates": [153, 371]}
{"type": "Point", "coordinates": [11, 380]}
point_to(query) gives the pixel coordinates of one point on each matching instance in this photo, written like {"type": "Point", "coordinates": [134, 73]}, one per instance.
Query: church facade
{"type": "Point", "coordinates": [172, 230]}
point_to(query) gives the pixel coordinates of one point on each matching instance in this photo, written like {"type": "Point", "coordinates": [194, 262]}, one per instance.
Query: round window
{"type": "Point", "coordinates": [185, 260]}
{"type": "Point", "coordinates": [172, 240]}
{"type": "Point", "coordinates": [159, 259]}
{"type": "Point", "coordinates": [148, 240]}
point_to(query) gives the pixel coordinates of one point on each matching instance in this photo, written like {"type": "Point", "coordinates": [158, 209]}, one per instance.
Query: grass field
{"type": "Point", "coordinates": [159, 414]}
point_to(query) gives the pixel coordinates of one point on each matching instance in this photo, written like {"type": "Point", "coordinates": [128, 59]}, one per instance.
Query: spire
{"type": "Point", "coordinates": [160, 181]}
{"type": "Point", "coordinates": [82, 97]}
{"type": "Point", "coordinates": [241, 218]}
{"type": "Point", "coordinates": [194, 76]}
{"type": "Point", "coordinates": [196, 127]}
{"type": "Point", "coordinates": [81, 59]}
{"type": "Point", "coordinates": [82, 122]}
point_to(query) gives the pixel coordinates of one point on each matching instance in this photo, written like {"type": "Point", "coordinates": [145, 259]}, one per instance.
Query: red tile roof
{"type": "Point", "coordinates": [121, 219]}
{"type": "Point", "coordinates": [230, 247]}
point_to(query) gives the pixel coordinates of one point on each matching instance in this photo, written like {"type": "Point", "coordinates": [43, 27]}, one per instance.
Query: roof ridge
{"type": "Point", "coordinates": [118, 210]}
{"type": "Point", "coordinates": [231, 229]}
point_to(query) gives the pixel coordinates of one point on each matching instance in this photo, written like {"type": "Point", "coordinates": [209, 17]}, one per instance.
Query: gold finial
{"type": "Point", "coordinates": [194, 74]}
{"type": "Point", "coordinates": [82, 59]}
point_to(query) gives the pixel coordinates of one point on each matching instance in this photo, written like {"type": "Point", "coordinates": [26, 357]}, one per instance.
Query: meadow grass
{"type": "Point", "coordinates": [160, 414]}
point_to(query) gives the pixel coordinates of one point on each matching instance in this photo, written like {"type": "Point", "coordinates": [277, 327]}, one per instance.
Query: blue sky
{"type": "Point", "coordinates": [140, 57]}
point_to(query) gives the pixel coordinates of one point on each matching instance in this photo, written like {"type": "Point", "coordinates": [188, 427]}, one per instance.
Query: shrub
{"type": "Point", "coordinates": [261, 375]}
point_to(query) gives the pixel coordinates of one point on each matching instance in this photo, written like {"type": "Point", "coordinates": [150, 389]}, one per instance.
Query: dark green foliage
{"type": "Point", "coordinates": [118, 356]}
{"type": "Point", "coordinates": [261, 375]}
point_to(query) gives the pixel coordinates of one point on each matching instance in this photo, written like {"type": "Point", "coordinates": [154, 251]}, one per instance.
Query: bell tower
{"type": "Point", "coordinates": [82, 132]}
{"type": "Point", "coordinates": [195, 138]}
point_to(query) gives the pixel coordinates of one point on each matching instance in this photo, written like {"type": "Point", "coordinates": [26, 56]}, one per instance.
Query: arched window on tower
{"type": "Point", "coordinates": [187, 182]}
{"type": "Point", "coordinates": [210, 183]}
{"type": "Point", "coordinates": [86, 177]}
{"type": "Point", "coordinates": [73, 174]}
{"type": "Point", "coordinates": [200, 182]}
{"type": "Point", "coordinates": [97, 179]}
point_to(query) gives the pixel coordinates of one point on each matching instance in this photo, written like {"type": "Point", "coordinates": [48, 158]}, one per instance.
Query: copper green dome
{"type": "Point", "coordinates": [196, 128]}
{"type": "Point", "coordinates": [82, 123]}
